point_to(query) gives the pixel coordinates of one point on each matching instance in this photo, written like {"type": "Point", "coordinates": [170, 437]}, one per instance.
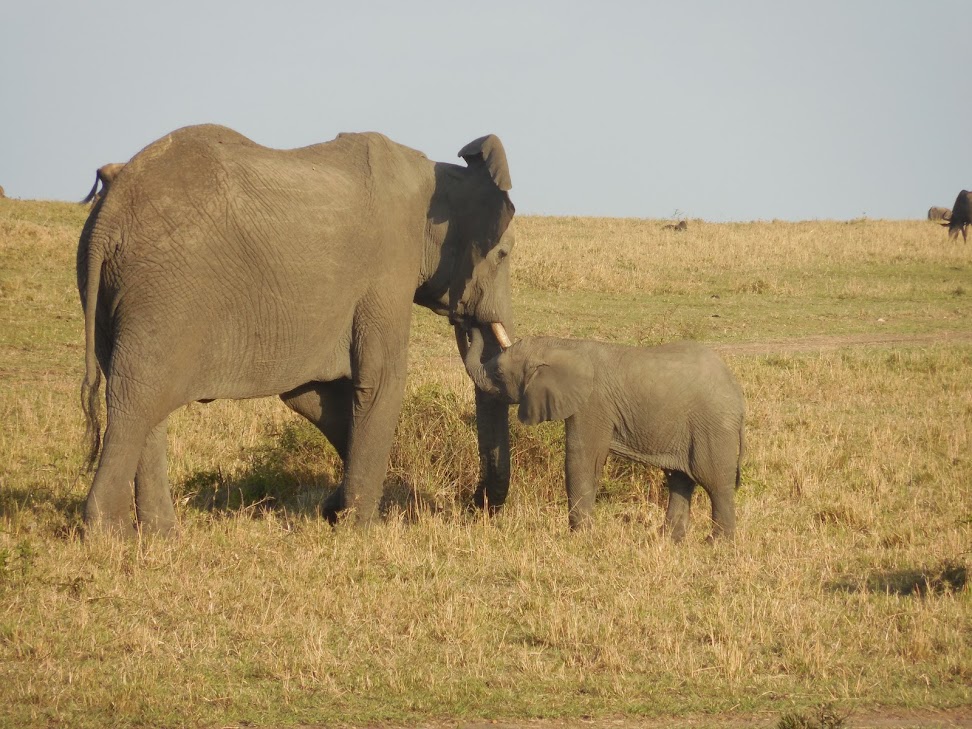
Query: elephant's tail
{"type": "Point", "coordinates": [742, 450]}
{"type": "Point", "coordinates": [91, 385]}
{"type": "Point", "coordinates": [94, 190]}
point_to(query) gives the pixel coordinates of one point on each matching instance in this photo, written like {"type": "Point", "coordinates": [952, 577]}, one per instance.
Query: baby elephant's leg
{"type": "Point", "coordinates": [680, 489]}
{"type": "Point", "coordinates": [723, 510]}
{"type": "Point", "coordinates": [587, 449]}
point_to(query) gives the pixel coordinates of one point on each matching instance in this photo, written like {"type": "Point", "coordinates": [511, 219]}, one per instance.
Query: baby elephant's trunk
{"type": "Point", "coordinates": [473, 343]}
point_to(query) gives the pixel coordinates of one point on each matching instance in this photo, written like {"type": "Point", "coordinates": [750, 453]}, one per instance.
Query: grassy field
{"type": "Point", "coordinates": [847, 584]}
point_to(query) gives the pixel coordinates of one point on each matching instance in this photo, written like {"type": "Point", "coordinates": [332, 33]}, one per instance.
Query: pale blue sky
{"type": "Point", "coordinates": [719, 110]}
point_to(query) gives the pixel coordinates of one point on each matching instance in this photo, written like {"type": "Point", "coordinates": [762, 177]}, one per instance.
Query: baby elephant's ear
{"type": "Point", "coordinates": [557, 388]}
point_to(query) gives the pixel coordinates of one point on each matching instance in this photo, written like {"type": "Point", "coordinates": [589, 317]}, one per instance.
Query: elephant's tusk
{"type": "Point", "coordinates": [499, 331]}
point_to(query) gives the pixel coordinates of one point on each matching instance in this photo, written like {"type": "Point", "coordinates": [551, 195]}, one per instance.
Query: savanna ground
{"type": "Point", "coordinates": [845, 594]}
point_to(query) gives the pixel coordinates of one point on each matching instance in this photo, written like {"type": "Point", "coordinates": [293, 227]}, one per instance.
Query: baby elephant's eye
{"type": "Point", "coordinates": [501, 254]}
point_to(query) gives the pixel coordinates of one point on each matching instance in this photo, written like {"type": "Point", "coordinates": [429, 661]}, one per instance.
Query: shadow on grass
{"type": "Point", "coordinates": [45, 509]}
{"type": "Point", "coordinates": [293, 475]}
{"type": "Point", "coordinates": [948, 577]}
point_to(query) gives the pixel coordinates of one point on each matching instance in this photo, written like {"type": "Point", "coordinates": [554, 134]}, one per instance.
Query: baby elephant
{"type": "Point", "coordinates": [675, 406]}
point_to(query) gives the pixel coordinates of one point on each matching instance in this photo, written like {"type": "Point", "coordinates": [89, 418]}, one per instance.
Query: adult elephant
{"type": "Point", "coordinates": [218, 268]}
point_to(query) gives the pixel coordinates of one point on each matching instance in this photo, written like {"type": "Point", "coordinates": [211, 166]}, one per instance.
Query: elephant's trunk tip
{"type": "Point", "coordinates": [499, 331]}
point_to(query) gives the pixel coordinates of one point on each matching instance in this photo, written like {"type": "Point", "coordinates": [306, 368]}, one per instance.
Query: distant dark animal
{"type": "Point", "coordinates": [682, 225]}
{"type": "Point", "coordinates": [961, 215]}
{"type": "Point", "coordinates": [105, 175]}
{"type": "Point", "coordinates": [939, 214]}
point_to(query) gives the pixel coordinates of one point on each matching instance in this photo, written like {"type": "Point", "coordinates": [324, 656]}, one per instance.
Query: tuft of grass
{"type": "Point", "coordinates": [823, 717]}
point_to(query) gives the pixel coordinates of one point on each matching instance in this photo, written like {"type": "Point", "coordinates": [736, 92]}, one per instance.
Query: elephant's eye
{"type": "Point", "coordinates": [501, 254]}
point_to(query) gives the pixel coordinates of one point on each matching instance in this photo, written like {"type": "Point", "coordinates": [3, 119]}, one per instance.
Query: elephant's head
{"type": "Point", "coordinates": [550, 378]}
{"type": "Point", "coordinates": [467, 276]}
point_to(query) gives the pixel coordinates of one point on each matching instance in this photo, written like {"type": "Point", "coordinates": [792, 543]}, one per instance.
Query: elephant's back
{"type": "Point", "coordinates": [245, 252]}
{"type": "Point", "coordinates": [204, 192]}
{"type": "Point", "coordinates": [682, 383]}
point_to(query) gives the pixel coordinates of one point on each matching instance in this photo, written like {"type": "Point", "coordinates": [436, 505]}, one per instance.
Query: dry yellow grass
{"type": "Point", "coordinates": [847, 583]}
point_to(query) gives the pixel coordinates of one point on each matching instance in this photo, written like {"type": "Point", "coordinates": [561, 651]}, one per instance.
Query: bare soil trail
{"type": "Point", "coordinates": [959, 718]}
{"type": "Point", "coordinates": [829, 343]}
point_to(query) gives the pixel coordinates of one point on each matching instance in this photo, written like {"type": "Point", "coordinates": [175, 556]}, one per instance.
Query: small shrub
{"type": "Point", "coordinates": [823, 717]}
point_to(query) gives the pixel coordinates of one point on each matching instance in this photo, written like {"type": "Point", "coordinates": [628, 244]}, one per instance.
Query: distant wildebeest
{"type": "Point", "coordinates": [935, 213]}
{"type": "Point", "coordinates": [104, 175]}
{"type": "Point", "coordinates": [682, 225]}
{"type": "Point", "coordinates": [961, 215]}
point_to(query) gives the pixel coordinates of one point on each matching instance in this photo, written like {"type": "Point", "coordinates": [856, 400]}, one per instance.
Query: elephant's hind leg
{"type": "Point", "coordinates": [133, 448]}
{"type": "Point", "coordinates": [153, 502]}
{"type": "Point", "coordinates": [108, 507]}
{"type": "Point", "coordinates": [328, 406]}
{"type": "Point", "coordinates": [680, 490]}
{"type": "Point", "coordinates": [723, 510]}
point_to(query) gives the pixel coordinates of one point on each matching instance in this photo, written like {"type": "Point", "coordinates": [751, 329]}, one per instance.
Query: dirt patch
{"type": "Point", "coordinates": [960, 718]}
{"type": "Point", "coordinates": [829, 343]}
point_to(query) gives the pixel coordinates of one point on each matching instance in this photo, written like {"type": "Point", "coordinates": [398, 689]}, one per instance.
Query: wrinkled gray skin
{"type": "Point", "coordinates": [961, 215]}
{"type": "Point", "coordinates": [218, 268]}
{"type": "Point", "coordinates": [105, 175]}
{"type": "Point", "coordinates": [935, 213]}
{"type": "Point", "coordinates": [675, 406]}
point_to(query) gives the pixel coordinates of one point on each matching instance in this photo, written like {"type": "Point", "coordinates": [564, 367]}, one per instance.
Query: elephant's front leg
{"type": "Point", "coordinates": [587, 444]}
{"type": "Point", "coordinates": [379, 387]}
{"type": "Point", "coordinates": [493, 429]}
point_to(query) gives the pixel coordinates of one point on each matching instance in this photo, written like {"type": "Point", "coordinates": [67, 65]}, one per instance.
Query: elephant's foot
{"type": "Point", "coordinates": [333, 506]}
{"type": "Point", "coordinates": [158, 527]}
{"type": "Point", "coordinates": [155, 516]}
{"type": "Point", "coordinates": [101, 524]}
{"type": "Point", "coordinates": [721, 534]}
{"type": "Point", "coordinates": [580, 521]}
{"type": "Point", "coordinates": [676, 531]}
{"type": "Point", "coordinates": [482, 501]}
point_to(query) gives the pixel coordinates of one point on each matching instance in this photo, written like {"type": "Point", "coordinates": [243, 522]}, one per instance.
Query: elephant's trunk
{"type": "Point", "coordinates": [471, 346]}
{"type": "Point", "coordinates": [492, 420]}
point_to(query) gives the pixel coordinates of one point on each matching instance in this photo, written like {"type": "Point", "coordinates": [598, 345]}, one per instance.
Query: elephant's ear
{"type": "Point", "coordinates": [489, 150]}
{"type": "Point", "coordinates": [557, 388]}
